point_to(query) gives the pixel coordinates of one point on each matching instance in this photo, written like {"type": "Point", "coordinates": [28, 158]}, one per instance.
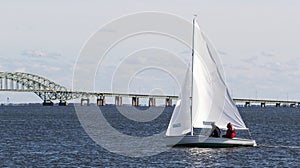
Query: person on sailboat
{"type": "Point", "coordinates": [215, 131]}
{"type": "Point", "coordinates": [231, 132]}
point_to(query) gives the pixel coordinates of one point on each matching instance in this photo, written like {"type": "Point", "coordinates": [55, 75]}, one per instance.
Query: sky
{"type": "Point", "coordinates": [257, 42]}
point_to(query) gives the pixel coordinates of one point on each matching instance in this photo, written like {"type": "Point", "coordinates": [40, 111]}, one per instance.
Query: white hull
{"type": "Point", "coordinates": [209, 142]}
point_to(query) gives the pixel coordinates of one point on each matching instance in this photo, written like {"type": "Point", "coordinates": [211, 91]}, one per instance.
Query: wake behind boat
{"type": "Point", "coordinates": [204, 100]}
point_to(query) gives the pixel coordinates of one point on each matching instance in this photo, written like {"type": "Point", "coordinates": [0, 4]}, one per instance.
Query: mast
{"type": "Point", "coordinates": [192, 129]}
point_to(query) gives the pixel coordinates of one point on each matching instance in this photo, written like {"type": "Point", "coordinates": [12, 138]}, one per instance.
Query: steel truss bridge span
{"type": "Point", "coordinates": [49, 91]}
{"type": "Point", "coordinates": [44, 88]}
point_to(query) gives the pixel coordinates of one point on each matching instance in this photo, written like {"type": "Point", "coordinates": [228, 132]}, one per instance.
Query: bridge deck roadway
{"type": "Point", "coordinates": [96, 94]}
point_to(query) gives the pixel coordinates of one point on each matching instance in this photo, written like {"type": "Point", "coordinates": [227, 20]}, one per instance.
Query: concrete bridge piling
{"type": "Point", "coordinates": [152, 102]}
{"type": "Point", "coordinates": [169, 102]}
{"type": "Point", "coordinates": [62, 103]}
{"type": "Point", "coordinates": [135, 101]}
{"type": "Point", "coordinates": [118, 100]}
{"type": "Point", "coordinates": [48, 103]}
{"type": "Point", "coordinates": [87, 100]}
{"type": "Point", "coordinates": [101, 101]}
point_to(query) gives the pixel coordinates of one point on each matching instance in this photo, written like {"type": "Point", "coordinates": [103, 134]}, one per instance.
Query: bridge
{"type": "Point", "coordinates": [265, 102]}
{"type": "Point", "coordinates": [49, 91]}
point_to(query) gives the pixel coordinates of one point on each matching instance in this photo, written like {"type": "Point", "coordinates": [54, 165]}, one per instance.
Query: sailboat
{"type": "Point", "coordinates": [204, 100]}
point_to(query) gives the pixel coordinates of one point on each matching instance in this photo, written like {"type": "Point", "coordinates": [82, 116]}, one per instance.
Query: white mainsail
{"type": "Point", "coordinates": [211, 101]}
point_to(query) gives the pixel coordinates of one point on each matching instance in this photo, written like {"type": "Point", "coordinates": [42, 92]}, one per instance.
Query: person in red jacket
{"type": "Point", "coordinates": [231, 132]}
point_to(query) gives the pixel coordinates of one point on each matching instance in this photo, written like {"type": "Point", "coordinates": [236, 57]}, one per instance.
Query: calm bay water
{"type": "Point", "coordinates": [53, 136]}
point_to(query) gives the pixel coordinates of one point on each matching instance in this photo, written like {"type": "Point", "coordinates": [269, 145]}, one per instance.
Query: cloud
{"type": "Point", "coordinates": [286, 67]}
{"type": "Point", "coordinates": [185, 52]}
{"type": "Point", "coordinates": [237, 67]}
{"type": "Point", "coordinates": [39, 54]}
{"type": "Point", "coordinates": [107, 30]}
{"type": "Point", "coordinates": [250, 60]}
{"type": "Point", "coordinates": [51, 65]}
{"type": "Point", "coordinates": [33, 53]}
{"type": "Point", "coordinates": [267, 54]}
{"type": "Point", "coordinates": [222, 52]}
{"type": "Point", "coordinates": [265, 73]}
{"type": "Point", "coordinates": [50, 68]}
{"type": "Point", "coordinates": [21, 69]}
